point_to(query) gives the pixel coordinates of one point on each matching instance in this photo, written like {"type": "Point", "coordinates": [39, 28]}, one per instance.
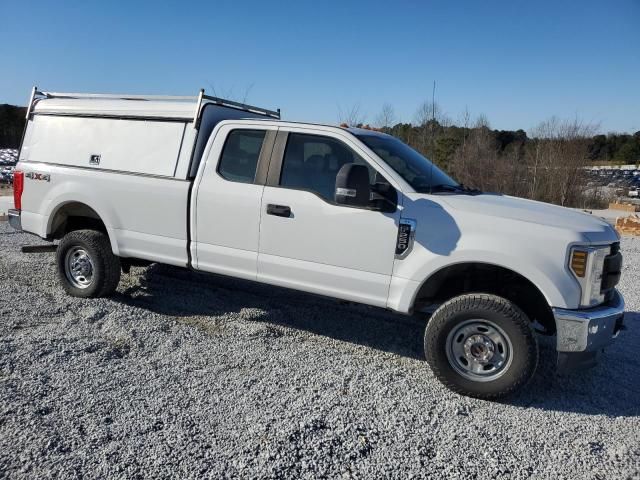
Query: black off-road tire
{"type": "Point", "coordinates": [106, 265]}
{"type": "Point", "coordinates": [500, 312]}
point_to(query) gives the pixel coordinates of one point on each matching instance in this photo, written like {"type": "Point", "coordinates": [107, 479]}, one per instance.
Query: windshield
{"type": "Point", "coordinates": [419, 172]}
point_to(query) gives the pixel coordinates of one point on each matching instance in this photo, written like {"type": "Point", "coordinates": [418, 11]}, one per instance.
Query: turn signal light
{"type": "Point", "coordinates": [579, 263]}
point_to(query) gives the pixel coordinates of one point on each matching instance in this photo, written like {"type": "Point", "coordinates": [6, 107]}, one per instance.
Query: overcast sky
{"type": "Point", "coordinates": [517, 62]}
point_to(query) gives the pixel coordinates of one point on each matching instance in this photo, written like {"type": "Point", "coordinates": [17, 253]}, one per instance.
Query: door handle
{"type": "Point", "coordinates": [278, 210]}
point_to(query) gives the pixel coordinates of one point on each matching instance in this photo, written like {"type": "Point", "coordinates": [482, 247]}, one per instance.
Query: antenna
{"type": "Point", "coordinates": [433, 122]}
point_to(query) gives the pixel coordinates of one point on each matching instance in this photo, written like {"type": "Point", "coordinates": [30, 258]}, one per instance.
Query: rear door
{"type": "Point", "coordinates": [309, 242]}
{"type": "Point", "coordinates": [228, 193]}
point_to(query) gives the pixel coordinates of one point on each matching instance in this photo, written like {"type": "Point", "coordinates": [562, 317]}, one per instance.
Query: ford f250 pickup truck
{"type": "Point", "coordinates": [354, 214]}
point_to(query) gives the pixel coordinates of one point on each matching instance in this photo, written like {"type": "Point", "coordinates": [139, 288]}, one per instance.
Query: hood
{"type": "Point", "coordinates": [593, 228]}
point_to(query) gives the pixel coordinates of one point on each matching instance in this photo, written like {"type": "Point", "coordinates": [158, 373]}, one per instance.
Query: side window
{"type": "Point", "coordinates": [312, 162]}
{"type": "Point", "coordinates": [240, 155]}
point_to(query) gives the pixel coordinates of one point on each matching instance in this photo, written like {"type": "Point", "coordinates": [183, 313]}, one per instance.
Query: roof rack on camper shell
{"type": "Point", "coordinates": [198, 101]}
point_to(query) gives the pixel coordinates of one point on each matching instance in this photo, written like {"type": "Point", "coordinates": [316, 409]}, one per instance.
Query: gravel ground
{"type": "Point", "coordinates": [194, 376]}
{"type": "Point", "coordinates": [6, 202]}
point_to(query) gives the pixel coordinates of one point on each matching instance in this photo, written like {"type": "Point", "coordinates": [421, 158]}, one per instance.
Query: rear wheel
{"type": "Point", "coordinates": [481, 345]}
{"type": "Point", "coordinates": [86, 265]}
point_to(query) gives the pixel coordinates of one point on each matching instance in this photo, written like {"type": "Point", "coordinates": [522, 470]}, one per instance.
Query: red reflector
{"type": "Point", "coordinates": [18, 188]}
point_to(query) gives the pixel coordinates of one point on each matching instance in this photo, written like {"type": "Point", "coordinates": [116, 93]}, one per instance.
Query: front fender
{"type": "Point", "coordinates": [446, 237]}
{"type": "Point", "coordinates": [554, 284]}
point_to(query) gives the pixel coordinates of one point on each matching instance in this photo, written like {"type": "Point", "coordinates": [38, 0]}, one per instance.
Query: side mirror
{"type": "Point", "coordinates": [352, 185]}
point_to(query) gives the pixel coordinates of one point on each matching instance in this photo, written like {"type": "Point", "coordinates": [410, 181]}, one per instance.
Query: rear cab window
{"type": "Point", "coordinates": [240, 155]}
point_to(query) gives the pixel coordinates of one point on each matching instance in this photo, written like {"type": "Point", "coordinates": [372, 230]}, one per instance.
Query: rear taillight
{"type": "Point", "coordinates": [18, 188]}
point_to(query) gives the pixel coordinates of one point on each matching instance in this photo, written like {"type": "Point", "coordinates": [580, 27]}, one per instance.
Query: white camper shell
{"type": "Point", "coordinates": [107, 131]}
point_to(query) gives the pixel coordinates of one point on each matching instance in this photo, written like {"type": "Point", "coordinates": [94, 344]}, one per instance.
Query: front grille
{"type": "Point", "coordinates": [611, 270]}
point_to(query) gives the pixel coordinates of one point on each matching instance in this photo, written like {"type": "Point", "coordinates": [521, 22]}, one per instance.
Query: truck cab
{"type": "Point", "coordinates": [348, 213]}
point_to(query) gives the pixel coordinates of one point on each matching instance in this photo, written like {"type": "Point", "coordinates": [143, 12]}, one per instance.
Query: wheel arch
{"type": "Point", "coordinates": [483, 277]}
{"type": "Point", "coordinates": [70, 215]}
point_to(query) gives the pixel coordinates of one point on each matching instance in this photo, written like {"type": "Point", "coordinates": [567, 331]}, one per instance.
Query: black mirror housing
{"type": "Point", "coordinates": [352, 185]}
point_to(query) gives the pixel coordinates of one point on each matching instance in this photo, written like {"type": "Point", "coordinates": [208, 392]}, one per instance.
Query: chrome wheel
{"type": "Point", "coordinates": [78, 267]}
{"type": "Point", "coordinates": [479, 350]}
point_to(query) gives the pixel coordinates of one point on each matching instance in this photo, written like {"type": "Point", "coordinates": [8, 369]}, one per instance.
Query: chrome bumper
{"type": "Point", "coordinates": [582, 334]}
{"type": "Point", "coordinates": [14, 219]}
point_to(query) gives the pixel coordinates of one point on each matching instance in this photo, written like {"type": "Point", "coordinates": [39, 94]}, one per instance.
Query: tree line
{"type": "Point", "coordinates": [12, 120]}
{"type": "Point", "coordinates": [548, 165]}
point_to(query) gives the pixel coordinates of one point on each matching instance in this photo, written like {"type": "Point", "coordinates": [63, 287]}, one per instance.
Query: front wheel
{"type": "Point", "coordinates": [86, 265]}
{"type": "Point", "coordinates": [481, 345]}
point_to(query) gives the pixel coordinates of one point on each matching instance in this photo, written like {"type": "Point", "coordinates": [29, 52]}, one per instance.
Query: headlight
{"type": "Point", "coordinates": [587, 264]}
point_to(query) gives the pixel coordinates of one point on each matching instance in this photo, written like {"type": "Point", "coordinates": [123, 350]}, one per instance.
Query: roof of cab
{"type": "Point", "coordinates": [367, 131]}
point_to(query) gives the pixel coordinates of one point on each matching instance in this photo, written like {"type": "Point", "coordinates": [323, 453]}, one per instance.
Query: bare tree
{"type": "Point", "coordinates": [445, 120]}
{"type": "Point", "coordinates": [558, 159]}
{"type": "Point", "coordinates": [426, 112]}
{"type": "Point", "coordinates": [465, 122]}
{"type": "Point", "coordinates": [386, 117]}
{"type": "Point", "coordinates": [482, 121]}
{"type": "Point", "coordinates": [427, 121]}
{"type": "Point", "coordinates": [550, 167]}
{"type": "Point", "coordinates": [465, 118]}
{"type": "Point", "coordinates": [230, 94]}
{"type": "Point", "coordinates": [352, 116]}
{"type": "Point", "coordinates": [247, 91]}
{"type": "Point", "coordinates": [476, 162]}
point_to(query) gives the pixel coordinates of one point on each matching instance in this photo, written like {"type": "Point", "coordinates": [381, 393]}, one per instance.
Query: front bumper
{"type": "Point", "coordinates": [14, 219]}
{"type": "Point", "coordinates": [582, 334]}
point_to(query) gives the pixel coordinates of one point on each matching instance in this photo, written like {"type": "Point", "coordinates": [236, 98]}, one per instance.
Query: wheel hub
{"type": "Point", "coordinates": [78, 267]}
{"type": "Point", "coordinates": [479, 348]}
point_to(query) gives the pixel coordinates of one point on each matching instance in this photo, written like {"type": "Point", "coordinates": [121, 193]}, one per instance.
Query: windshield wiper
{"type": "Point", "coordinates": [470, 190]}
{"type": "Point", "coordinates": [461, 188]}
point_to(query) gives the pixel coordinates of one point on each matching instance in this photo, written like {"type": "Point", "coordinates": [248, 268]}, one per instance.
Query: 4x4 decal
{"type": "Point", "coordinates": [38, 176]}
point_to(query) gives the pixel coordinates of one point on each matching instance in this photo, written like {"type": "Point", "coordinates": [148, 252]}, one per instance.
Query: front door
{"type": "Point", "coordinates": [309, 242]}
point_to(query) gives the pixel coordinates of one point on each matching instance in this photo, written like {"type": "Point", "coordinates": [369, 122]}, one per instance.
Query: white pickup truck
{"type": "Point", "coordinates": [354, 214]}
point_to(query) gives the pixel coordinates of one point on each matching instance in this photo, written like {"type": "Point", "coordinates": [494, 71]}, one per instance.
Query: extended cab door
{"type": "Point", "coordinates": [228, 196]}
{"type": "Point", "coordinates": [307, 241]}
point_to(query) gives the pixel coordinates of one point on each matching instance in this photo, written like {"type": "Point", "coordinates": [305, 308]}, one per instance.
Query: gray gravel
{"type": "Point", "coordinates": [194, 376]}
